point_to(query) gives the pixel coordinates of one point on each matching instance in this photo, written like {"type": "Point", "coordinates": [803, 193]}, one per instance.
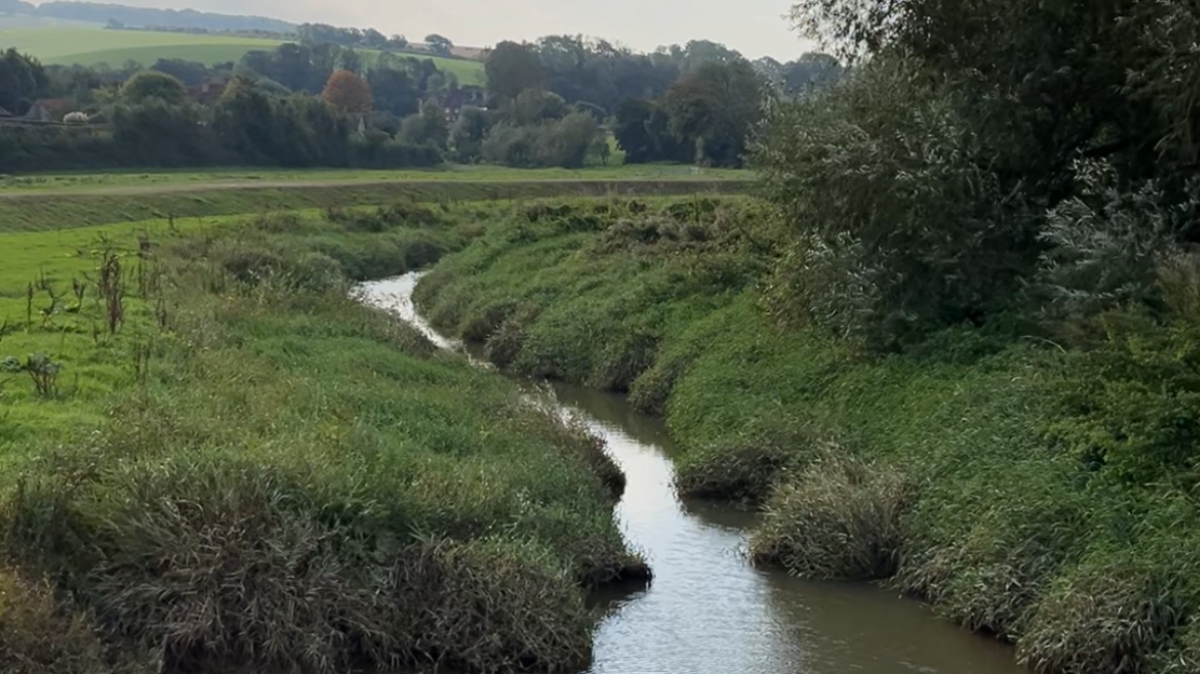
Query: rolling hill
{"type": "Point", "coordinates": [94, 45]}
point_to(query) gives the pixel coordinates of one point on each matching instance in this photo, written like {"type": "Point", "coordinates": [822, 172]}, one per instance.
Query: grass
{"type": "Point", "coordinates": [228, 50]}
{"type": "Point", "coordinates": [69, 45]}
{"type": "Point", "coordinates": [73, 182]}
{"type": "Point", "coordinates": [47, 210]}
{"type": "Point", "coordinates": [963, 472]}
{"type": "Point", "coordinates": [254, 469]}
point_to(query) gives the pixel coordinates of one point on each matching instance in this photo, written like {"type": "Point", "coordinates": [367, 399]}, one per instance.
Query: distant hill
{"type": "Point", "coordinates": [95, 12]}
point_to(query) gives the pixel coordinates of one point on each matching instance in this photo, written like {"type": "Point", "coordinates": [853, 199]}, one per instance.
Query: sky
{"type": "Point", "coordinates": [753, 27]}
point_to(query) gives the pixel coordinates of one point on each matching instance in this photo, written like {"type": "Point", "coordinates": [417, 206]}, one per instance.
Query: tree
{"type": "Point", "coordinates": [22, 78]}
{"type": "Point", "coordinates": [427, 127]}
{"type": "Point", "coordinates": [439, 44]}
{"type": "Point", "coordinates": [643, 133]}
{"type": "Point", "coordinates": [715, 108]}
{"type": "Point", "coordinates": [394, 91]}
{"type": "Point", "coordinates": [244, 120]}
{"type": "Point", "coordinates": [534, 105]}
{"type": "Point", "coordinates": [632, 134]}
{"type": "Point", "coordinates": [811, 72]}
{"type": "Point", "coordinates": [567, 142]}
{"type": "Point", "coordinates": [466, 138]}
{"type": "Point", "coordinates": [349, 59]}
{"type": "Point", "coordinates": [153, 84]}
{"type": "Point", "coordinates": [191, 73]}
{"type": "Point", "coordinates": [512, 68]}
{"type": "Point", "coordinates": [348, 92]}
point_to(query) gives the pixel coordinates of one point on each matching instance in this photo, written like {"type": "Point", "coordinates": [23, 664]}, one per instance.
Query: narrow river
{"type": "Point", "coordinates": [708, 611]}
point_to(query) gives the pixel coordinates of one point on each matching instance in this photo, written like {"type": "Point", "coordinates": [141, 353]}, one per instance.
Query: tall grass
{"type": "Point", "coordinates": [296, 481]}
{"type": "Point", "coordinates": [1041, 495]}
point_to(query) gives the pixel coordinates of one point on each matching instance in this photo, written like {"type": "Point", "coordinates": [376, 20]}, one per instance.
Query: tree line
{"type": "Point", "coordinates": [986, 160]}
{"type": "Point", "coordinates": [553, 102]}
{"type": "Point", "coordinates": [694, 103]}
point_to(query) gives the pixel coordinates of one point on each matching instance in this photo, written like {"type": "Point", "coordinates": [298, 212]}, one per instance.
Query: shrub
{"type": "Point", "coordinates": [1105, 247]}
{"type": "Point", "coordinates": [898, 229]}
{"type": "Point", "coordinates": [1105, 617]}
{"type": "Point", "coordinates": [841, 517]}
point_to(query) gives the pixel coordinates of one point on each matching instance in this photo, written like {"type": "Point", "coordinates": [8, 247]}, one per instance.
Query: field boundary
{"type": "Point", "coordinates": [58, 210]}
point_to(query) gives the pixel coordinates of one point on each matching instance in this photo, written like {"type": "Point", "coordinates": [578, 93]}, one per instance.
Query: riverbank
{"type": "Point", "coordinates": [753, 620]}
{"type": "Point", "coordinates": [962, 471]}
{"type": "Point", "coordinates": [74, 202]}
{"type": "Point", "coordinates": [224, 459]}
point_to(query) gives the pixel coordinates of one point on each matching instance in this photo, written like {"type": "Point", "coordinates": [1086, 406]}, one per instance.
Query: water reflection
{"type": "Point", "coordinates": [708, 611]}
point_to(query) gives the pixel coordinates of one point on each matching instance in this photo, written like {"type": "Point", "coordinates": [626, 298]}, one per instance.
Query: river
{"type": "Point", "coordinates": [708, 611]}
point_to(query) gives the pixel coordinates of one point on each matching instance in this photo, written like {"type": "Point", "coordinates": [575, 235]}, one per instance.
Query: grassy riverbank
{"type": "Point", "coordinates": [50, 210]}
{"type": "Point", "coordinates": [224, 460]}
{"type": "Point", "coordinates": [963, 470]}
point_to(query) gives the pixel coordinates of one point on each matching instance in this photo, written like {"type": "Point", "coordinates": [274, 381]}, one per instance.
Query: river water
{"type": "Point", "coordinates": [708, 611]}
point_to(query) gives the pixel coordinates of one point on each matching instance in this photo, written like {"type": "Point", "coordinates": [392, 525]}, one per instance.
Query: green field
{"type": "Point", "coordinates": [92, 46]}
{"type": "Point", "coordinates": [40, 210]}
{"type": "Point", "coordinates": [74, 182]}
{"type": "Point", "coordinates": [78, 45]}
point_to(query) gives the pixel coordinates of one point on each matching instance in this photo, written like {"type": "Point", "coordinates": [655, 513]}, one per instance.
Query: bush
{"type": "Point", "coordinates": [898, 229]}
{"type": "Point", "coordinates": [839, 518]}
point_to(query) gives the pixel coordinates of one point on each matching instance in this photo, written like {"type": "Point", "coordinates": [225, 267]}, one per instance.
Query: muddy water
{"type": "Point", "coordinates": [708, 611]}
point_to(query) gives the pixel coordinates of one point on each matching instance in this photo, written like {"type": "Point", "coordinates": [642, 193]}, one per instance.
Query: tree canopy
{"type": "Point", "coordinates": [348, 92]}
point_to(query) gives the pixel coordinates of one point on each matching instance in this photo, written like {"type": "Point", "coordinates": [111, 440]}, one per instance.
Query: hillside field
{"type": "Point", "coordinates": [90, 46]}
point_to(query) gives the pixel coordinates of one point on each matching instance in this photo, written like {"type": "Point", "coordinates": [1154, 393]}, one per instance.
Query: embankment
{"type": "Point", "coordinates": [36, 210]}
{"type": "Point", "coordinates": [231, 463]}
{"type": "Point", "coordinates": [962, 471]}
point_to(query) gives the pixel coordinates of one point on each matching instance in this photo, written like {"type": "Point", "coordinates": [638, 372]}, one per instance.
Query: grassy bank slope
{"type": "Point", "coordinates": [964, 472]}
{"type": "Point", "coordinates": [252, 468]}
{"type": "Point", "coordinates": [31, 210]}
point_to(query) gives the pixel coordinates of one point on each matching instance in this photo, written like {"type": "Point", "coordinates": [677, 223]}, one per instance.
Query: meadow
{"type": "Point", "coordinates": [46, 203]}
{"type": "Point", "coordinates": [215, 457]}
{"type": "Point", "coordinates": [961, 471]}
{"type": "Point", "coordinates": [71, 45]}
{"type": "Point", "coordinates": [83, 181]}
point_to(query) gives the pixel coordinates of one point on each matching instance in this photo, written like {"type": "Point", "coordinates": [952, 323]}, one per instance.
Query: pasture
{"type": "Point", "coordinates": [85, 45]}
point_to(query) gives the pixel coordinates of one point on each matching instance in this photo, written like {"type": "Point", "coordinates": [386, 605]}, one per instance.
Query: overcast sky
{"type": "Point", "coordinates": [753, 27]}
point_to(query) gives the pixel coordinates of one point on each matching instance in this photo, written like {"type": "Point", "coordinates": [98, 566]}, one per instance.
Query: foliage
{"type": "Point", "coordinates": [643, 132]}
{"type": "Point", "coordinates": [21, 78]}
{"type": "Point", "coordinates": [897, 229]}
{"type": "Point", "coordinates": [320, 33]}
{"type": "Point", "coordinates": [839, 518]}
{"type": "Point", "coordinates": [1077, 466]}
{"type": "Point", "coordinates": [36, 635]}
{"type": "Point", "coordinates": [1105, 248]}
{"type": "Point", "coordinates": [151, 84]}
{"type": "Point", "coordinates": [348, 92]}
{"type": "Point", "coordinates": [439, 44]}
{"type": "Point", "coordinates": [325, 485]}
{"type": "Point", "coordinates": [565, 142]}
{"type": "Point", "coordinates": [429, 126]}
{"type": "Point", "coordinates": [468, 134]}
{"type": "Point", "coordinates": [512, 68]}
{"type": "Point", "coordinates": [535, 105]}
{"type": "Point", "coordinates": [43, 371]}
{"type": "Point", "coordinates": [714, 109]}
